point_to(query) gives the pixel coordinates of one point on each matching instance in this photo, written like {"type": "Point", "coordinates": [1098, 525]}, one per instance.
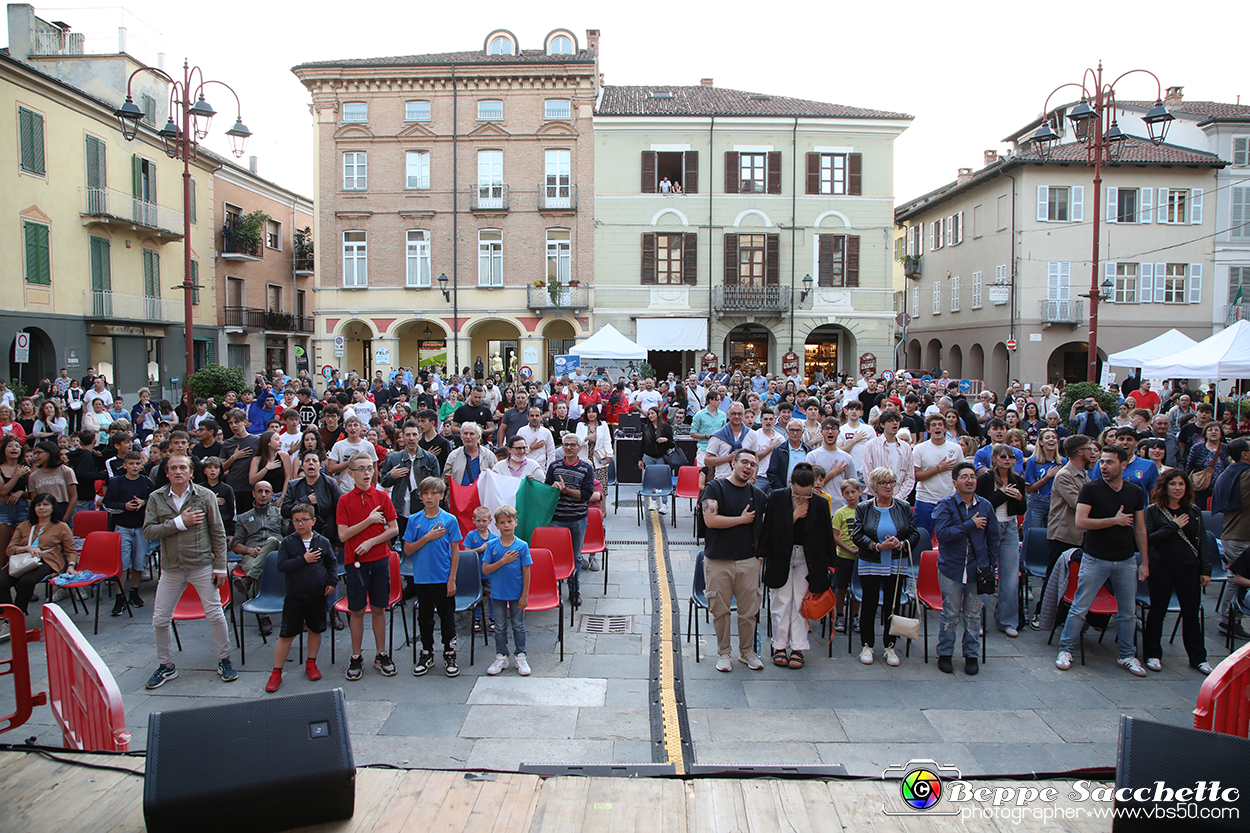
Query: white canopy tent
{"type": "Point", "coordinates": [1161, 347]}
{"type": "Point", "coordinates": [1225, 355]}
{"type": "Point", "coordinates": [609, 344]}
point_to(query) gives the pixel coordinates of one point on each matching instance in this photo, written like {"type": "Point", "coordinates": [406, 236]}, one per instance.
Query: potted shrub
{"type": "Point", "coordinates": [303, 245]}
{"type": "Point", "coordinates": [248, 232]}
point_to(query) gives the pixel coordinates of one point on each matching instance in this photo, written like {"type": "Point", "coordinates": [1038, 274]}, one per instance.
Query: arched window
{"type": "Point", "coordinates": [500, 45]}
{"type": "Point", "coordinates": [561, 45]}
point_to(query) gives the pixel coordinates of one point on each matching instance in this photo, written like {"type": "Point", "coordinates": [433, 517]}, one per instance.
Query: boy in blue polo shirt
{"type": "Point", "coordinates": [475, 540]}
{"type": "Point", "coordinates": [508, 563]}
{"type": "Point", "coordinates": [434, 535]}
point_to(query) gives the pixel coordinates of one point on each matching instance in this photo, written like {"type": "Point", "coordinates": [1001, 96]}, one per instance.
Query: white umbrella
{"type": "Point", "coordinates": [1169, 344]}
{"type": "Point", "coordinates": [1225, 355]}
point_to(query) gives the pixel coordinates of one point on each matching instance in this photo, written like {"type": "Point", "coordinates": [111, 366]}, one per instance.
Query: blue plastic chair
{"type": "Point", "coordinates": [468, 596]}
{"type": "Point", "coordinates": [1174, 606]}
{"type": "Point", "coordinates": [657, 484]}
{"type": "Point", "coordinates": [268, 602]}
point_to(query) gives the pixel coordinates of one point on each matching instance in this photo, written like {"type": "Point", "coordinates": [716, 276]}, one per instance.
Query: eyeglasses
{"type": "Point", "coordinates": [362, 468]}
{"type": "Point", "coordinates": [301, 520]}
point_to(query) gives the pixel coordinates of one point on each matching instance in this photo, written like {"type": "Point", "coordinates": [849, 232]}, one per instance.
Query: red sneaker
{"type": "Point", "coordinates": [275, 680]}
{"type": "Point", "coordinates": [311, 669]}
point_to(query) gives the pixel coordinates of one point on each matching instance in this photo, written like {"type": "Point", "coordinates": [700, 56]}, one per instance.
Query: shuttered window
{"type": "Point", "coordinates": [30, 136]}
{"type": "Point", "coordinates": [669, 259]}
{"type": "Point", "coordinates": [1239, 225]}
{"type": "Point", "coordinates": [837, 260]}
{"type": "Point", "coordinates": [195, 283]}
{"type": "Point", "coordinates": [976, 290]}
{"type": "Point", "coordinates": [752, 259]}
{"type": "Point", "coordinates": [38, 262]}
{"type": "Point", "coordinates": [955, 294]}
{"type": "Point", "coordinates": [101, 266]}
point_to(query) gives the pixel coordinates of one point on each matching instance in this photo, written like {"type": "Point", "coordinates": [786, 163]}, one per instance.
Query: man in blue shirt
{"type": "Point", "coordinates": [996, 429]}
{"type": "Point", "coordinates": [1138, 470]}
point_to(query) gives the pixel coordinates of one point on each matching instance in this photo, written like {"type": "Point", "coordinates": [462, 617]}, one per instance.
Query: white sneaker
{"type": "Point", "coordinates": [1154, 664]}
{"type": "Point", "coordinates": [1132, 665]}
{"type": "Point", "coordinates": [497, 667]}
{"type": "Point", "coordinates": [522, 665]}
{"type": "Point", "coordinates": [592, 563]}
{"type": "Point", "coordinates": [1204, 668]}
{"type": "Point", "coordinates": [752, 660]}
{"type": "Point", "coordinates": [1064, 661]}
{"type": "Point", "coordinates": [1012, 633]}
{"type": "Point", "coordinates": [891, 658]}
{"type": "Point", "coordinates": [724, 663]}
{"type": "Point", "coordinates": [4, 630]}
{"type": "Point", "coordinates": [661, 507]}
{"type": "Point", "coordinates": [865, 656]}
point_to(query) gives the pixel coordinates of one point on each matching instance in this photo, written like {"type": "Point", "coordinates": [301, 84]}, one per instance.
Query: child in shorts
{"type": "Point", "coordinates": [476, 541]}
{"type": "Point", "coordinates": [306, 560]}
{"type": "Point", "coordinates": [508, 563]}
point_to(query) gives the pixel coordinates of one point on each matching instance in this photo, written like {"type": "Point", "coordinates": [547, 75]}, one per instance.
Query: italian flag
{"type": "Point", "coordinates": [534, 501]}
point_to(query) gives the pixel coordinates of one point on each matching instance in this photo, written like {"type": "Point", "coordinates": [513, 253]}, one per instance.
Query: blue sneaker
{"type": "Point", "coordinates": [162, 675]}
{"type": "Point", "coordinates": [225, 670]}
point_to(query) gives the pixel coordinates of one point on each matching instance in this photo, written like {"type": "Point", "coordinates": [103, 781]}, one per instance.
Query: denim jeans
{"type": "Point", "coordinates": [1007, 614]}
{"type": "Point", "coordinates": [1038, 512]}
{"type": "Point", "coordinates": [924, 520]}
{"type": "Point", "coordinates": [135, 548]}
{"type": "Point", "coordinates": [960, 602]}
{"type": "Point", "coordinates": [506, 612]}
{"type": "Point", "coordinates": [577, 530]}
{"type": "Point", "coordinates": [1094, 574]}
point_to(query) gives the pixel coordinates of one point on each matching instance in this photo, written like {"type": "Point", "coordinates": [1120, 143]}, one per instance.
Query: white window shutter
{"type": "Point", "coordinates": [1108, 271]}
{"type": "Point", "coordinates": [1077, 215]}
{"type": "Point", "coordinates": [1052, 281]}
{"type": "Point", "coordinates": [1195, 206]}
{"type": "Point", "coordinates": [1163, 205]}
{"type": "Point", "coordinates": [1145, 282]}
{"type": "Point", "coordinates": [961, 228]}
{"type": "Point", "coordinates": [1043, 196]}
{"type": "Point", "coordinates": [1144, 196]}
{"type": "Point", "coordinates": [1161, 276]}
{"type": "Point", "coordinates": [1194, 284]}
{"type": "Point", "coordinates": [1113, 196]}
{"type": "Point", "coordinates": [950, 225]}
{"type": "Point", "coordinates": [1065, 281]}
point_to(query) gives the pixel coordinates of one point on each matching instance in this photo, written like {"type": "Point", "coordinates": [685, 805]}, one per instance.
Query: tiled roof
{"type": "Point", "coordinates": [527, 56]}
{"type": "Point", "coordinates": [1198, 109]}
{"type": "Point", "coordinates": [1135, 151]}
{"type": "Point", "coordinates": [718, 101]}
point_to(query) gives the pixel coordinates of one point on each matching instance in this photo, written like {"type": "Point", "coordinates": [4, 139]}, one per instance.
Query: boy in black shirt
{"type": "Point", "coordinates": [125, 499]}
{"type": "Point", "coordinates": [306, 560]}
{"type": "Point", "coordinates": [431, 440]}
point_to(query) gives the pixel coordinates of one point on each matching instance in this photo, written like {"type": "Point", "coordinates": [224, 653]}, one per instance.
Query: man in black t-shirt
{"type": "Point", "coordinates": [911, 418]}
{"type": "Point", "coordinates": [431, 440]}
{"type": "Point", "coordinates": [1111, 512]}
{"type": "Point", "coordinates": [473, 411]}
{"type": "Point", "coordinates": [309, 409]}
{"type": "Point", "coordinates": [733, 511]}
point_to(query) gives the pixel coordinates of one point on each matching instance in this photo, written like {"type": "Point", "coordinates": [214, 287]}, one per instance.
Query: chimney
{"type": "Point", "coordinates": [706, 82]}
{"type": "Point", "coordinates": [965, 174]}
{"type": "Point", "coordinates": [592, 40]}
{"type": "Point", "coordinates": [1173, 97]}
{"type": "Point", "coordinates": [991, 156]}
{"type": "Point", "coordinates": [21, 30]}
{"type": "Point", "coordinates": [251, 164]}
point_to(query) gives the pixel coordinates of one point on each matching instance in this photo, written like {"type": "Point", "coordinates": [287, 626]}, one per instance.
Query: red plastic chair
{"type": "Point", "coordinates": [190, 608]}
{"type": "Point", "coordinates": [688, 487]}
{"type": "Point", "coordinates": [1104, 605]}
{"type": "Point", "coordinates": [396, 600]}
{"type": "Point", "coordinates": [559, 541]}
{"type": "Point", "coordinates": [596, 541]}
{"type": "Point", "coordinates": [545, 590]}
{"type": "Point", "coordinates": [89, 521]}
{"type": "Point", "coordinates": [929, 594]}
{"type": "Point", "coordinates": [101, 553]}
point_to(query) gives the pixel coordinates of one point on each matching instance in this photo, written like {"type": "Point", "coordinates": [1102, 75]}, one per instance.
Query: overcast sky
{"type": "Point", "coordinates": [969, 72]}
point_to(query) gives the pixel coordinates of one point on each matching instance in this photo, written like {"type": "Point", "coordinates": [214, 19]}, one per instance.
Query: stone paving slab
{"type": "Point", "coordinates": [536, 691]}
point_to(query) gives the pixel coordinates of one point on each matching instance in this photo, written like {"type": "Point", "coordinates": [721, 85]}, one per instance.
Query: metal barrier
{"type": "Point", "coordinates": [84, 697]}
{"type": "Point", "coordinates": [18, 666]}
{"type": "Point", "coordinates": [1224, 699]}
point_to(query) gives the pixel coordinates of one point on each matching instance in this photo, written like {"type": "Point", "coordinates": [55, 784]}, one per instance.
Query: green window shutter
{"type": "Point", "coordinates": [136, 175]}
{"type": "Point", "coordinates": [210, 350]}
{"type": "Point", "coordinates": [193, 217]}
{"type": "Point", "coordinates": [30, 130]}
{"type": "Point", "coordinates": [195, 282]}
{"type": "Point", "coordinates": [151, 273]}
{"type": "Point", "coordinates": [101, 271]}
{"type": "Point", "coordinates": [38, 265]}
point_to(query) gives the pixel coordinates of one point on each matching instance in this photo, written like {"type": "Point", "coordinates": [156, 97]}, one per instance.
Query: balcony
{"type": "Point", "coordinates": [1062, 312]}
{"type": "Point", "coordinates": [911, 266]}
{"type": "Point", "coordinates": [304, 265]}
{"type": "Point", "coordinates": [231, 250]}
{"type": "Point", "coordinates": [751, 300]}
{"type": "Point", "coordinates": [1236, 312]}
{"type": "Point", "coordinates": [122, 211]}
{"type": "Point", "coordinates": [572, 298]}
{"type": "Point", "coordinates": [117, 306]}
{"type": "Point", "coordinates": [248, 318]}
{"type": "Point", "coordinates": [273, 321]}
{"type": "Point", "coordinates": [557, 197]}
{"type": "Point", "coordinates": [488, 198]}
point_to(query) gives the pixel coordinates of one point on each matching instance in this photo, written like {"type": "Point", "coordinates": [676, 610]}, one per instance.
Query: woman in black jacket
{"type": "Point", "coordinates": [657, 439]}
{"type": "Point", "coordinates": [1179, 563]}
{"type": "Point", "coordinates": [795, 544]}
{"type": "Point", "coordinates": [1005, 490]}
{"type": "Point", "coordinates": [884, 530]}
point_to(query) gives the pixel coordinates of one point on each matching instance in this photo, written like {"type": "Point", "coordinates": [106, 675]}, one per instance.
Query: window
{"type": "Point", "coordinates": [490, 178]}
{"type": "Point", "coordinates": [417, 170]}
{"type": "Point", "coordinates": [833, 173]}
{"type": "Point", "coordinates": [1238, 280]}
{"type": "Point", "coordinates": [1000, 275]}
{"type": "Point", "coordinates": [679, 167]}
{"type": "Point", "coordinates": [1004, 212]}
{"type": "Point", "coordinates": [751, 173]}
{"type": "Point", "coordinates": [1174, 277]}
{"type": "Point", "coordinates": [152, 284]}
{"type": "Point", "coordinates": [97, 178]}
{"type": "Point", "coordinates": [30, 133]}
{"type": "Point", "coordinates": [915, 244]}
{"type": "Point", "coordinates": [1241, 151]}
{"type": "Point", "coordinates": [1124, 205]}
{"type": "Point", "coordinates": [955, 229]}
{"type": "Point", "coordinates": [976, 290]}
{"type": "Point", "coordinates": [561, 45]}
{"type": "Point", "coordinates": [559, 256]}
{"type": "Point", "coordinates": [148, 105]}
{"type": "Point", "coordinates": [558, 190]}
{"type": "Point", "coordinates": [490, 110]}
{"type": "Point", "coordinates": [500, 46]}
{"type": "Point", "coordinates": [490, 257]}
{"type": "Point", "coordinates": [937, 297]}
{"type": "Point", "coordinates": [935, 235]}
{"type": "Point", "coordinates": [915, 302]}
{"type": "Point", "coordinates": [670, 258]}
{"type": "Point", "coordinates": [38, 262]}
{"type": "Point", "coordinates": [837, 260]}
{"type": "Point", "coordinates": [418, 259]}
{"type": "Point", "coordinates": [1125, 283]}
{"type": "Point", "coordinates": [195, 283]}
{"type": "Point", "coordinates": [668, 261]}
{"type": "Point", "coordinates": [273, 234]}
{"type": "Point", "coordinates": [1176, 206]}
{"type": "Point", "coordinates": [355, 259]}
{"type": "Point", "coordinates": [978, 223]}
{"type": "Point", "coordinates": [955, 294]}
{"type": "Point", "coordinates": [416, 111]}
{"type": "Point", "coordinates": [900, 249]}
{"type": "Point", "coordinates": [1240, 217]}
{"type": "Point", "coordinates": [355, 173]}
{"type": "Point", "coordinates": [1061, 204]}
{"type": "Point", "coordinates": [355, 111]}
{"type": "Point", "coordinates": [1058, 281]}
{"type": "Point", "coordinates": [557, 108]}
{"type": "Point", "coordinates": [751, 259]}
{"type": "Point", "coordinates": [1057, 206]}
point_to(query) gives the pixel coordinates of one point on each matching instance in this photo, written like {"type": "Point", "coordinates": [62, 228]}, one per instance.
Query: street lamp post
{"type": "Point", "coordinates": [182, 143]}
{"type": "Point", "coordinates": [1093, 120]}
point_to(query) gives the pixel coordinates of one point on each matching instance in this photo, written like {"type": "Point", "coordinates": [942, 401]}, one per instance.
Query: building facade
{"type": "Point", "coordinates": [755, 227]}
{"type": "Point", "coordinates": [455, 205]}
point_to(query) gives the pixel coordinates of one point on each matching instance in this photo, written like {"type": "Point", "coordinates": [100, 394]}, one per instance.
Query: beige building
{"type": "Point", "coordinates": [455, 207]}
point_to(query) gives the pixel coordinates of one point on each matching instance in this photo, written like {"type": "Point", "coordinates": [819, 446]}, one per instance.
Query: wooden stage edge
{"type": "Point", "coordinates": [38, 795]}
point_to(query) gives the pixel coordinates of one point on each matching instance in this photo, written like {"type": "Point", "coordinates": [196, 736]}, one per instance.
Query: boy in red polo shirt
{"type": "Point", "coordinates": [367, 521]}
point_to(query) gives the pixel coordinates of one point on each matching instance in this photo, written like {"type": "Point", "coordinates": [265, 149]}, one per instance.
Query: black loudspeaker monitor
{"type": "Point", "coordinates": [250, 767]}
{"type": "Point", "coordinates": [1170, 778]}
{"type": "Point", "coordinates": [628, 456]}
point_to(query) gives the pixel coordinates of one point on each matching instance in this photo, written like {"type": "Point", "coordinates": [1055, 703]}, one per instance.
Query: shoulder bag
{"type": "Point", "coordinates": [903, 626]}
{"type": "Point", "coordinates": [24, 562]}
{"type": "Point", "coordinates": [1201, 479]}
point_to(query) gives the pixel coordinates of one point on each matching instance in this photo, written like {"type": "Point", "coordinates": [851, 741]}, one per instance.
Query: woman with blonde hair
{"type": "Point", "coordinates": [884, 530]}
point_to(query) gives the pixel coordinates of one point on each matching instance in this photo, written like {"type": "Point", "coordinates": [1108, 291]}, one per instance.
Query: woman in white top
{"type": "Point", "coordinates": [98, 420]}
{"type": "Point", "coordinates": [50, 424]}
{"type": "Point", "coordinates": [596, 442]}
{"type": "Point", "coordinates": [517, 464]}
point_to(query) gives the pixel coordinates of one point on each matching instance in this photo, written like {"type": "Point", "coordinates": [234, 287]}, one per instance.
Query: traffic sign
{"type": "Point", "coordinates": [926, 379]}
{"type": "Point", "coordinates": [965, 386]}
{"type": "Point", "coordinates": [887, 375]}
{"type": "Point", "coordinates": [21, 348]}
{"type": "Point", "coordinates": [902, 319]}
{"type": "Point", "coordinates": [339, 342]}
{"type": "Point", "coordinates": [327, 371]}
{"type": "Point", "coordinates": [1011, 344]}
{"type": "Point", "coordinates": [527, 372]}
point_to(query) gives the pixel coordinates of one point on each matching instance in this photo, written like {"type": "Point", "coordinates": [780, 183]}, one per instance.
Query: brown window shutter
{"type": "Point", "coordinates": [648, 258]}
{"type": "Point", "coordinates": [731, 258]}
{"type": "Point", "coordinates": [824, 260]}
{"type": "Point", "coordinates": [690, 259]}
{"type": "Point", "coordinates": [774, 172]}
{"type": "Point", "coordinates": [772, 259]}
{"type": "Point", "coordinates": [855, 174]}
{"type": "Point", "coordinates": [852, 259]}
{"type": "Point", "coordinates": [731, 172]}
{"type": "Point", "coordinates": [649, 160]}
{"type": "Point", "coordinates": [813, 173]}
{"type": "Point", "coordinates": [690, 170]}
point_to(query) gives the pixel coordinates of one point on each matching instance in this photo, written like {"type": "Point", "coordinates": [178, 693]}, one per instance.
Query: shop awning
{"type": "Point", "coordinates": [672, 333]}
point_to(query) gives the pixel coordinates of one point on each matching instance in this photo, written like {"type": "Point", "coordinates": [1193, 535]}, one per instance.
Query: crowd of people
{"type": "Point", "coordinates": [805, 488]}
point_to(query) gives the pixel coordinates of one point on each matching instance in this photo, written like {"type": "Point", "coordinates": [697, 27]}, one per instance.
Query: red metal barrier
{"type": "Point", "coordinates": [1224, 699]}
{"type": "Point", "coordinates": [84, 697]}
{"type": "Point", "coordinates": [19, 667]}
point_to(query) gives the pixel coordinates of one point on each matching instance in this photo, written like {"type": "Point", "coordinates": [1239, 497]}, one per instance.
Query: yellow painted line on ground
{"type": "Point", "coordinates": [668, 692]}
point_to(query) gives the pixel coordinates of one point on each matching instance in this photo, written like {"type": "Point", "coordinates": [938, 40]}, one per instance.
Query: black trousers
{"type": "Point", "coordinates": [1185, 581]}
{"type": "Point", "coordinates": [868, 607]}
{"type": "Point", "coordinates": [433, 598]}
{"type": "Point", "coordinates": [24, 585]}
